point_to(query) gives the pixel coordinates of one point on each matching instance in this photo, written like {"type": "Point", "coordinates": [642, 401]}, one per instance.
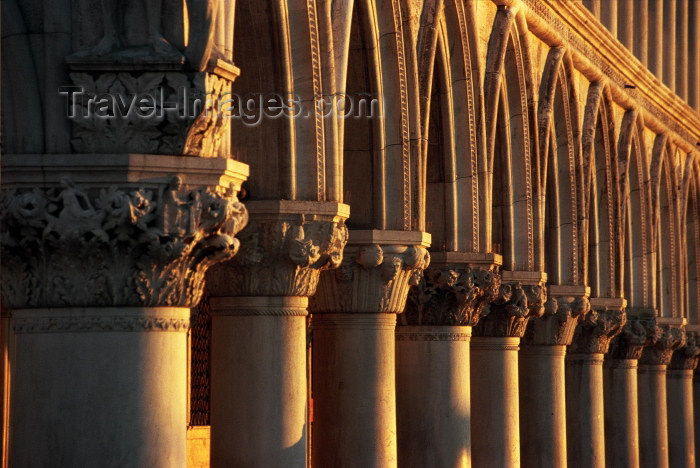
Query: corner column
{"type": "Point", "coordinates": [584, 381]}
{"type": "Point", "coordinates": [542, 376]}
{"type": "Point", "coordinates": [259, 308]}
{"type": "Point", "coordinates": [432, 358]}
{"type": "Point", "coordinates": [681, 433]}
{"type": "Point", "coordinates": [494, 361]}
{"type": "Point", "coordinates": [101, 272]}
{"type": "Point", "coordinates": [353, 366]}
{"type": "Point", "coordinates": [653, 420]}
{"type": "Point", "coordinates": [620, 382]}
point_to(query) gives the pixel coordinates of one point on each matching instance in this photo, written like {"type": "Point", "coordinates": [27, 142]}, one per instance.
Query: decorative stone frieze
{"type": "Point", "coordinates": [671, 338]}
{"type": "Point", "coordinates": [522, 295]}
{"type": "Point", "coordinates": [640, 330]}
{"type": "Point", "coordinates": [284, 248]}
{"type": "Point", "coordinates": [150, 106]}
{"type": "Point", "coordinates": [601, 324]}
{"type": "Point", "coordinates": [452, 294]}
{"type": "Point", "coordinates": [566, 306]}
{"type": "Point", "coordinates": [377, 269]}
{"type": "Point", "coordinates": [138, 242]}
{"type": "Point", "coordinates": [686, 357]}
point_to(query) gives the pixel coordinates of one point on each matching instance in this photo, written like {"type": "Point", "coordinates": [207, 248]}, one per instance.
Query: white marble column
{"type": "Point", "coordinates": [100, 385]}
{"type": "Point", "coordinates": [259, 307]}
{"type": "Point", "coordinates": [626, 11]}
{"type": "Point", "coordinates": [608, 15]}
{"type": "Point", "coordinates": [353, 367]}
{"type": "Point", "coordinates": [620, 384]}
{"type": "Point", "coordinates": [682, 47]}
{"type": "Point", "coordinates": [432, 359]}
{"type": "Point", "coordinates": [585, 406]}
{"type": "Point", "coordinates": [542, 388]}
{"type": "Point", "coordinates": [494, 362]}
{"type": "Point", "coordinates": [653, 420]}
{"type": "Point", "coordinates": [669, 38]}
{"type": "Point", "coordinates": [655, 58]}
{"type": "Point", "coordinates": [679, 382]}
{"type": "Point", "coordinates": [99, 376]}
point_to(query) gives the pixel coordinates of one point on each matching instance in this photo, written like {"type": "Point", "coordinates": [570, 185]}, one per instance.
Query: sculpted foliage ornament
{"type": "Point", "coordinates": [281, 257]}
{"type": "Point", "coordinates": [446, 296]}
{"type": "Point", "coordinates": [72, 246]}
{"type": "Point", "coordinates": [671, 338]}
{"type": "Point", "coordinates": [556, 326]}
{"type": "Point", "coordinates": [636, 334]}
{"type": "Point", "coordinates": [687, 356]}
{"type": "Point", "coordinates": [372, 278]}
{"type": "Point", "coordinates": [515, 304]}
{"type": "Point", "coordinates": [594, 333]}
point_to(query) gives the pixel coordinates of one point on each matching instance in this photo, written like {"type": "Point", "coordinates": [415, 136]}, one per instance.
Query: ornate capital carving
{"type": "Point", "coordinates": [687, 356]}
{"type": "Point", "coordinates": [671, 338]}
{"type": "Point", "coordinates": [373, 278]}
{"type": "Point", "coordinates": [75, 245]}
{"type": "Point", "coordinates": [125, 107]}
{"type": "Point", "coordinates": [284, 248]}
{"type": "Point", "coordinates": [595, 331]}
{"type": "Point", "coordinates": [451, 295]}
{"type": "Point", "coordinates": [556, 326]}
{"type": "Point", "coordinates": [508, 313]}
{"type": "Point", "coordinates": [637, 333]}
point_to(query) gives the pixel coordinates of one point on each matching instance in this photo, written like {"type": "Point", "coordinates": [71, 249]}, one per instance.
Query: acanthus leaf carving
{"type": "Point", "coordinates": [558, 323]}
{"type": "Point", "coordinates": [455, 295]}
{"type": "Point", "coordinates": [139, 247]}
{"type": "Point", "coordinates": [686, 357]}
{"type": "Point", "coordinates": [637, 333]}
{"type": "Point", "coordinates": [595, 331]}
{"type": "Point", "coordinates": [507, 315]}
{"type": "Point", "coordinates": [670, 338]}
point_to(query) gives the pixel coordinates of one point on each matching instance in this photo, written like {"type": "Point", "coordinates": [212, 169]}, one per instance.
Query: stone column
{"type": "Point", "coordinates": [655, 57]}
{"type": "Point", "coordinates": [681, 433]}
{"type": "Point", "coordinates": [584, 381]}
{"type": "Point", "coordinates": [353, 367]}
{"type": "Point", "coordinates": [100, 272]}
{"type": "Point", "coordinates": [7, 338]}
{"type": "Point", "coordinates": [494, 360]}
{"type": "Point", "coordinates": [432, 359]}
{"type": "Point", "coordinates": [258, 348]}
{"type": "Point", "coordinates": [669, 38]}
{"type": "Point", "coordinates": [620, 383]}
{"type": "Point", "coordinates": [653, 424]}
{"type": "Point", "coordinates": [542, 389]}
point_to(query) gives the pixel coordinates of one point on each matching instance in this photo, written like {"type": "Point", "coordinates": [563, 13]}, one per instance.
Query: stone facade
{"type": "Point", "coordinates": [357, 233]}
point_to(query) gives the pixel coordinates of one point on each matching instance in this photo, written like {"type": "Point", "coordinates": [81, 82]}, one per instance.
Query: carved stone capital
{"type": "Point", "coordinates": [566, 306]}
{"type": "Point", "coordinates": [155, 106]}
{"type": "Point", "coordinates": [687, 356]}
{"type": "Point", "coordinates": [521, 296]}
{"type": "Point", "coordinates": [600, 325]}
{"type": "Point", "coordinates": [638, 332]}
{"type": "Point", "coordinates": [671, 338]}
{"type": "Point", "coordinates": [284, 247]}
{"type": "Point", "coordinates": [377, 270]}
{"type": "Point", "coordinates": [146, 239]}
{"type": "Point", "coordinates": [451, 295]}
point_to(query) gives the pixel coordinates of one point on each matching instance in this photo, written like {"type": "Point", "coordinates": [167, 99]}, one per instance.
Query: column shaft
{"type": "Point", "coordinates": [681, 434]}
{"type": "Point", "coordinates": [495, 408]}
{"type": "Point", "coordinates": [354, 390]}
{"type": "Point", "coordinates": [258, 381]}
{"type": "Point", "coordinates": [625, 22]}
{"type": "Point", "coordinates": [641, 34]}
{"type": "Point", "coordinates": [655, 56]}
{"type": "Point", "coordinates": [653, 431]}
{"type": "Point", "coordinates": [584, 410]}
{"type": "Point", "coordinates": [696, 408]}
{"type": "Point", "coordinates": [100, 386]}
{"type": "Point", "coordinates": [694, 55]}
{"type": "Point", "coordinates": [670, 37]}
{"type": "Point", "coordinates": [621, 418]}
{"type": "Point", "coordinates": [682, 48]}
{"type": "Point", "coordinates": [608, 16]}
{"type": "Point", "coordinates": [542, 405]}
{"type": "Point", "coordinates": [433, 417]}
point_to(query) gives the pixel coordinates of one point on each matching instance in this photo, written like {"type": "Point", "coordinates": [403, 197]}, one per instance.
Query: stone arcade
{"type": "Point", "coordinates": [216, 252]}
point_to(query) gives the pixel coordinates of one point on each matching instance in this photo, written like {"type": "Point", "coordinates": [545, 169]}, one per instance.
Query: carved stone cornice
{"type": "Point", "coordinates": [566, 306]}
{"type": "Point", "coordinates": [521, 296]}
{"type": "Point", "coordinates": [377, 270]}
{"type": "Point", "coordinates": [284, 248]}
{"type": "Point", "coordinates": [146, 241]}
{"type": "Point", "coordinates": [638, 332]}
{"type": "Point", "coordinates": [671, 337]}
{"type": "Point", "coordinates": [687, 356]}
{"type": "Point", "coordinates": [188, 112]}
{"type": "Point", "coordinates": [602, 324]}
{"type": "Point", "coordinates": [452, 294]}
